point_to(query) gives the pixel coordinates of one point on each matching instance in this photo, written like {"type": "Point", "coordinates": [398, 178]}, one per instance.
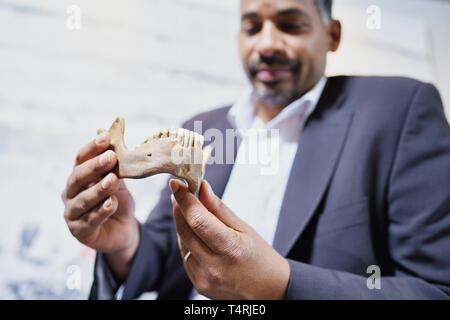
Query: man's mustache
{"type": "Point", "coordinates": [274, 61]}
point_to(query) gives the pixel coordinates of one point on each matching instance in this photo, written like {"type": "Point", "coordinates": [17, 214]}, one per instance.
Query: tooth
{"type": "Point", "coordinates": [191, 139]}
{"type": "Point", "coordinates": [149, 139]}
{"type": "Point", "coordinates": [185, 138]}
{"type": "Point", "coordinates": [196, 140]}
{"type": "Point", "coordinates": [180, 136]}
{"type": "Point", "coordinates": [201, 140]}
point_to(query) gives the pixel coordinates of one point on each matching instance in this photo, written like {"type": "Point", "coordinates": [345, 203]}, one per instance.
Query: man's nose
{"type": "Point", "coordinates": [270, 40]}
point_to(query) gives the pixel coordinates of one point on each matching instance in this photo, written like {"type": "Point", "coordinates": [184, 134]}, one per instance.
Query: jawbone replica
{"type": "Point", "coordinates": [178, 152]}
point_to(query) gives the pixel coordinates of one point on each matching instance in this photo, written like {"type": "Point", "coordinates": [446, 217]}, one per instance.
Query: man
{"type": "Point", "coordinates": [362, 184]}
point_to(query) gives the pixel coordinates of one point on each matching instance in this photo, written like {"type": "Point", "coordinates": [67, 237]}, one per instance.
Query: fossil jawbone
{"type": "Point", "coordinates": [178, 152]}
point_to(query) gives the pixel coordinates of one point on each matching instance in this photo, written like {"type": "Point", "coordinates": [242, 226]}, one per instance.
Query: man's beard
{"type": "Point", "coordinates": [273, 99]}
{"type": "Point", "coordinates": [273, 94]}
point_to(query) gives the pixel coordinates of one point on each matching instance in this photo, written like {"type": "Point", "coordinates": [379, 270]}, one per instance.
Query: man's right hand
{"type": "Point", "coordinates": [99, 209]}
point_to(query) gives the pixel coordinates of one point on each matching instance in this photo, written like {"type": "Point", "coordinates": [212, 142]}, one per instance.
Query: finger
{"type": "Point", "coordinates": [215, 205]}
{"type": "Point", "coordinates": [98, 145]}
{"type": "Point", "coordinates": [89, 171]}
{"type": "Point", "coordinates": [86, 227]}
{"type": "Point", "coordinates": [102, 213]}
{"type": "Point", "coordinates": [216, 235]}
{"type": "Point", "coordinates": [182, 248]}
{"type": "Point", "coordinates": [90, 198]}
{"type": "Point", "coordinates": [187, 239]}
{"type": "Point", "coordinates": [192, 267]}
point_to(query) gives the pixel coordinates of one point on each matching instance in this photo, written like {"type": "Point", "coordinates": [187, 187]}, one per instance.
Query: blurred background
{"type": "Point", "coordinates": [68, 68]}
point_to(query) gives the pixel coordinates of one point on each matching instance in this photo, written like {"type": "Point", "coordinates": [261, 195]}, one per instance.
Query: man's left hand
{"type": "Point", "coordinates": [228, 259]}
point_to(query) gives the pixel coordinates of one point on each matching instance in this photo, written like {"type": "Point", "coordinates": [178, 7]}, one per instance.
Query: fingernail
{"type": "Point", "coordinates": [106, 182]}
{"type": "Point", "coordinates": [174, 186]}
{"type": "Point", "coordinates": [101, 138]}
{"type": "Point", "coordinates": [208, 187]}
{"type": "Point", "coordinates": [107, 203]}
{"type": "Point", "coordinates": [105, 158]}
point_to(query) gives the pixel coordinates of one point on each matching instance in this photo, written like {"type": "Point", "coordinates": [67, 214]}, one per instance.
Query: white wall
{"type": "Point", "coordinates": [155, 62]}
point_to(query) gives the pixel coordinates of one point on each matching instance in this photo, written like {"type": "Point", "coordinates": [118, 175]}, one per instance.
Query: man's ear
{"type": "Point", "coordinates": [335, 31]}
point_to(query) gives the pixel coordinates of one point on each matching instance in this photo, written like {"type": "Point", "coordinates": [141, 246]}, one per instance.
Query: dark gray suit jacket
{"type": "Point", "coordinates": [370, 185]}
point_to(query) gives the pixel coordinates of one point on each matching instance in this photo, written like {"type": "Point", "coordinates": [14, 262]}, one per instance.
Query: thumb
{"type": "Point", "coordinates": [215, 205]}
{"type": "Point", "coordinates": [181, 193]}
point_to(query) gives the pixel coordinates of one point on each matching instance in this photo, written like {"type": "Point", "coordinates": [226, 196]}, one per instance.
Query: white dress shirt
{"type": "Point", "coordinates": [255, 189]}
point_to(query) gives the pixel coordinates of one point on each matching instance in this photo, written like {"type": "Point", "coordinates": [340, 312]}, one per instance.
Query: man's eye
{"type": "Point", "coordinates": [293, 28]}
{"type": "Point", "coordinates": [251, 29]}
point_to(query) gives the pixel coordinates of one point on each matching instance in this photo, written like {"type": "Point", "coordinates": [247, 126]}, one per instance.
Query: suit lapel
{"type": "Point", "coordinates": [318, 152]}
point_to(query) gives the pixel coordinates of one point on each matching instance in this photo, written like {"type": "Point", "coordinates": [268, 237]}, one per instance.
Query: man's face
{"type": "Point", "coordinates": [283, 45]}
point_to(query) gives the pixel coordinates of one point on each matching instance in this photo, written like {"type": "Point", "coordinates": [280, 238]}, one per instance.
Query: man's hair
{"type": "Point", "coordinates": [325, 8]}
